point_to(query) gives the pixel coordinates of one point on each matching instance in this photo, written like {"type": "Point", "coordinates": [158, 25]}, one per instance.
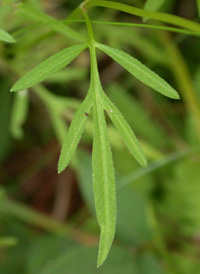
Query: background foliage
{"type": "Point", "coordinates": [47, 221]}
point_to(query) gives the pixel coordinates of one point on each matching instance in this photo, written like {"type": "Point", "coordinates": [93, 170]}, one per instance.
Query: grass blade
{"type": "Point", "coordinates": [160, 16]}
{"type": "Point", "coordinates": [140, 71]}
{"type": "Point", "coordinates": [124, 130]}
{"type": "Point", "coordinates": [6, 37]}
{"type": "Point", "coordinates": [48, 67]}
{"type": "Point", "coordinates": [75, 132]}
{"type": "Point", "coordinates": [39, 17]}
{"type": "Point", "coordinates": [153, 5]}
{"type": "Point", "coordinates": [59, 126]}
{"type": "Point", "coordinates": [103, 183]}
{"type": "Point", "coordinates": [154, 165]}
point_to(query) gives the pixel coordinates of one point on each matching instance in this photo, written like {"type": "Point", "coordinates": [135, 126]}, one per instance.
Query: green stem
{"type": "Point", "coordinates": [75, 13]}
{"type": "Point", "coordinates": [92, 47]}
{"type": "Point", "coordinates": [26, 214]}
{"type": "Point", "coordinates": [155, 165]}
{"type": "Point", "coordinates": [148, 26]}
{"type": "Point", "coordinates": [125, 24]}
{"type": "Point", "coordinates": [183, 78]}
{"type": "Point", "coordinates": [16, 209]}
{"type": "Point", "coordinates": [89, 25]}
{"type": "Point", "coordinates": [160, 16]}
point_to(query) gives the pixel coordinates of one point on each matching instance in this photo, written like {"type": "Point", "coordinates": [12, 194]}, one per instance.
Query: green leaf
{"type": "Point", "coordinates": [138, 41]}
{"type": "Point", "coordinates": [133, 226]}
{"type": "Point", "coordinates": [84, 176]}
{"type": "Point", "coordinates": [124, 130]}
{"type": "Point", "coordinates": [103, 182]}
{"type": "Point", "coordinates": [36, 16]}
{"type": "Point", "coordinates": [19, 114]}
{"type": "Point", "coordinates": [153, 5]}
{"type": "Point", "coordinates": [160, 16]}
{"type": "Point", "coordinates": [6, 37]}
{"type": "Point", "coordinates": [75, 132]}
{"type": "Point", "coordinates": [68, 75]}
{"type": "Point", "coordinates": [49, 67]}
{"type": "Point", "coordinates": [56, 105]}
{"type": "Point", "coordinates": [198, 7]}
{"type": "Point", "coordinates": [140, 71]}
{"type": "Point", "coordinates": [145, 126]}
{"type": "Point", "coordinates": [54, 102]}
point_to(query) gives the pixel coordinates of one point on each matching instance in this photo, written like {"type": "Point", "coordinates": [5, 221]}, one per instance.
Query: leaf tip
{"type": "Point", "coordinates": [144, 162]}
{"type": "Point", "coordinates": [61, 165]}
{"type": "Point", "coordinates": [141, 158]}
{"type": "Point", "coordinates": [100, 260]}
{"type": "Point", "coordinates": [60, 168]}
{"type": "Point", "coordinates": [98, 263]}
{"type": "Point", "coordinates": [177, 96]}
{"type": "Point", "coordinates": [174, 95]}
{"type": "Point", "coordinates": [13, 41]}
{"type": "Point", "coordinates": [13, 88]}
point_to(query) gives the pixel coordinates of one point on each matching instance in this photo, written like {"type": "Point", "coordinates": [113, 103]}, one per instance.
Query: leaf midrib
{"type": "Point", "coordinates": [104, 163]}
{"type": "Point", "coordinates": [140, 71]}
{"type": "Point", "coordinates": [71, 148]}
{"type": "Point", "coordinates": [116, 117]}
{"type": "Point", "coordinates": [25, 82]}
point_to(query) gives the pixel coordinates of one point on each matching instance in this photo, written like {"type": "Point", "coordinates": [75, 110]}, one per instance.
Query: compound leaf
{"type": "Point", "coordinates": [75, 132]}
{"type": "Point", "coordinates": [124, 130]}
{"type": "Point", "coordinates": [48, 67]}
{"type": "Point", "coordinates": [6, 37]}
{"type": "Point", "coordinates": [103, 182]}
{"type": "Point", "coordinates": [140, 71]}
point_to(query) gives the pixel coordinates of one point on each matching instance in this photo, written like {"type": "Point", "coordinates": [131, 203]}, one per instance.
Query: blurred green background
{"type": "Point", "coordinates": [47, 221]}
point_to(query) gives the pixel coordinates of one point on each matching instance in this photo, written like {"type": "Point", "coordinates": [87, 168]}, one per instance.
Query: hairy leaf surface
{"type": "Point", "coordinates": [75, 132]}
{"type": "Point", "coordinates": [124, 130]}
{"type": "Point", "coordinates": [48, 67]}
{"type": "Point", "coordinates": [103, 182]}
{"type": "Point", "coordinates": [140, 71]}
